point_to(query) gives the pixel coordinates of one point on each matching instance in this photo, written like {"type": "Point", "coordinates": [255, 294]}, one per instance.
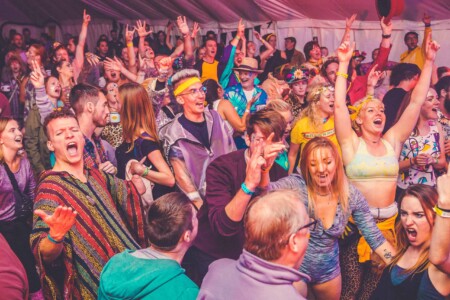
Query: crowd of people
{"type": "Point", "coordinates": [151, 170]}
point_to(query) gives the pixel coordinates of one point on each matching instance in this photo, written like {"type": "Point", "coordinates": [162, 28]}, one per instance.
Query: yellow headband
{"type": "Point", "coordinates": [182, 87]}
{"type": "Point", "coordinates": [269, 36]}
{"type": "Point", "coordinates": [356, 109]}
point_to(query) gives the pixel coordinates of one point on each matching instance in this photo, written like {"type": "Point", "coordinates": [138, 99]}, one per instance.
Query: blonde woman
{"type": "Point", "coordinates": [317, 120]}
{"type": "Point", "coordinates": [371, 164]}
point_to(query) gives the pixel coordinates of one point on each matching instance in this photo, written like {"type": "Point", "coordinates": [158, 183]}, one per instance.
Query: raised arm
{"type": "Point", "coordinates": [184, 29]}
{"type": "Point", "coordinates": [405, 125]}
{"type": "Point", "coordinates": [342, 122]}
{"type": "Point", "coordinates": [169, 35]}
{"type": "Point", "coordinates": [142, 33]}
{"type": "Point", "coordinates": [348, 28]}
{"type": "Point", "coordinates": [427, 34]}
{"type": "Point", "coordinates": [269, 49]}
{"type": "Point", "coordinates": [440, 240]}
{"type": "Point", "coordinates": [116, 65]}
{"type": "Point", "coordinates": [79, 51]}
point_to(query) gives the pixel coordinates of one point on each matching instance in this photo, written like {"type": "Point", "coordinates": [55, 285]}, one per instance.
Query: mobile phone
{"type": "Point", "coordinates": [114, 117]}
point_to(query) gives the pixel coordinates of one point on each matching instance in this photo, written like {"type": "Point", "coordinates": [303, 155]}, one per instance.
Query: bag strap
{"type": "Point", "coordinates": [12, 178]}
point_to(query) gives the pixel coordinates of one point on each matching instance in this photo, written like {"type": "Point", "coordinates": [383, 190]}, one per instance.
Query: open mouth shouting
{"type": "Point", "coordinates": [72, 149]}
{"type": "Point", "coordinates": [412, 234]}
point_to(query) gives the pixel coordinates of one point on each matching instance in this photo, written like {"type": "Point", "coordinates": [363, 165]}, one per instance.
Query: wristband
{"type": "Point", "coordinates": [193, 196]}
{"type": "Point", "coordinates": [428, 25]}
{"type": "Point", "coordinates": [247, 111]}
{"type": "Point", "coordinates": [444, 213]}
{"type": "Point", "coordinates": [145, 172]}
{"type": "Point", "coordinates": [385, 36]}
{"type": "Point", "coordinates": [246, 190]}
{"type": "Point", "coordinates": [130, 44]}
{"type": "Point", "coordinates": [237, 37]}
{"type": "Point", "coordinates": [53, 240]}
{"type": "Point", "coordinates": [343, 75]}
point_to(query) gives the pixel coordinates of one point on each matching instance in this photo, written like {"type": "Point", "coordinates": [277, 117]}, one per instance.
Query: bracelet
{"type": "Point", "coordinates": [343, 75]}
{"type": "Point", "coordinates": [246, 190]}
{"type": "Point", "coordinates": [53, 240]}
{"type": "Point", "coordinates": [237, 37]}
{"type": "Point", "coordinates": [247, 111]}
{"type": "Point", "coordinates": [266, 170]}
{"type": "Point", "coordinates": [444, 213]}
{"type": "Point", "coordinates": [130, 44]}
{"type": "Point", "coordinates": [385, 36]}
{"type": "Point", "coordinates": [145, 172]}
{"type": "Point", "coordinates": [428, 25]}
{"type": "Point", "coordinates": [193, 196]}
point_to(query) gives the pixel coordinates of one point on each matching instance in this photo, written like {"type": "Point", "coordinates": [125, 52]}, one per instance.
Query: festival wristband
{"type": "Point", "coordinates": [145, 172]}
{"type": "Point", "coordinates": [53, 240]}
{"type": "Point", "coordinates": [343, 75]}
{"type": "Point", "coordinates": [385, 36]}
{"type": "Point", "coordinates": [444, 213]}
{"type": "Point", "coordinates": [130, 44]}
{"type": "Point", "coordinates": [246, 190]}
{"type": "Point", "coordinates": [193, 196]}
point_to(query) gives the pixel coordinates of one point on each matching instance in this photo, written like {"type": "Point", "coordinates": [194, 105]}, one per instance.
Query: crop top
{"type": "Point", "coordinates": [365, 166]}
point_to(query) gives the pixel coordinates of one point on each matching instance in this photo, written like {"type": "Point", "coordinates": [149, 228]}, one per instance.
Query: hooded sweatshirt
{"type": "Point", "coordinates": [131, 276]}
{"type": "Point", "coordinates": [250, 277]}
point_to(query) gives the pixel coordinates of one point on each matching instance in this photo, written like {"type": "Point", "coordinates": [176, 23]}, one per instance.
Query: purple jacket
{"type": "Point", "coordinates": [250, 277]}
{"type": "Point", "coordinates": [197, 157]}
{"type": "Point", "coordinates": [218, 235]}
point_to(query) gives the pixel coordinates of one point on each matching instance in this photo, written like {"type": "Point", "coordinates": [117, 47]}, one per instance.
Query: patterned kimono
{"type": "Point", "coordinates": [110, 220]}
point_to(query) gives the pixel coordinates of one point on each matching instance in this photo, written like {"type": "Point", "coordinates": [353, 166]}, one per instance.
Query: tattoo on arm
{"type": "Point", "coordinates": [387, 254]}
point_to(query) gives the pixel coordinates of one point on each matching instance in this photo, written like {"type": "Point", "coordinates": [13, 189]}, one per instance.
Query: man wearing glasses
{"type": "Point", "coordinates": [277, 232]}
{"type": "Point", "coordinates": [194, 138]}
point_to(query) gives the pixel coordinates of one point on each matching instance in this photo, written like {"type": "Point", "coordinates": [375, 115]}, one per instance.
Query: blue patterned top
{"type": "Point", "coordinates": [237, 97]}
{"type": "Point", "coordinates": [321, 261]}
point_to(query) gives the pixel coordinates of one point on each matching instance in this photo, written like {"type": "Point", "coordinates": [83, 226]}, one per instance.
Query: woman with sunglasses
{"type": "Point", "coordinates": [422, 267]}
{"type": "Point", "coordinates": [331, 200]}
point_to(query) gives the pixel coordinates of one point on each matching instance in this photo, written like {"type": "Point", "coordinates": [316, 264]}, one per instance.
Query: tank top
{"type": "Point", "coordinates": [365, 166]}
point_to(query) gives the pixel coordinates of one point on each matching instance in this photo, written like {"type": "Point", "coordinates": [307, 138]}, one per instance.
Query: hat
{"type": "Point", "coordinates": [248, 64]}
{"type": "Point", "coordinates": [357, 53]}
{"type": "Point", "coordinates": [389, 8]}
{"type": "Point", "coordinates": [297, 74]}
{"type": "Point", "coordinates": [292, 39]}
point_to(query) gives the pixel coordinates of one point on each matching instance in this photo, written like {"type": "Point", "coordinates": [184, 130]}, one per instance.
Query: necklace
{"type": "Point", "coordinates": [323, 195]}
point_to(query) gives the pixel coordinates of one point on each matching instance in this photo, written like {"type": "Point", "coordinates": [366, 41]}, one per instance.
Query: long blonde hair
{"type": "Point", "coordinates": [339, 184]}
{"type": "Point", "coordinates": [137, 114]}
{"type": "Point", "coordinates": [313, 97]}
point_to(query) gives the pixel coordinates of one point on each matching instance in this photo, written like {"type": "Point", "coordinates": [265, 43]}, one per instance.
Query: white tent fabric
{"type": "Point", "coordinates": [302, 19]}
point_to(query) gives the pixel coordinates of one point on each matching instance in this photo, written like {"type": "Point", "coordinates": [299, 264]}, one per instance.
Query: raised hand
{"type": "Point", "coordinates": [271, 150]}
{"type": "Point", "coordinates": [254, 165]}
{"type": "Point", "coordinates": [60, 222]}
{"type": "Point", "coordinates": [349, 21]}
{"type": "Point", "coordinates": [165, 64]}
{"type": "Point", "coordinates": [257, 35]}
{"type": "Point", "coordinates": [36, 76]}
{"type": "Point", "coordinates": [374, 76]}
{"type": "Point", "coordinates": [140, 28]}
{"type": "Point", "coordinates": [240, 29]}
{"type": "Point", "coordinates": [129, 34]}
{"type": "Point", "coordinates": [86, 18]}
{"type": "Point", "coordinates": [113, 64]}
{"type": "Point", "coordinates": [432, 47]}
{"type": "Point", "coordinates": [345, 51]}
{"type": "Point", "coordinates": [195, 30]}
{"type": "Point", "coordinates": [182, 25]}
{"type": "Point", "coordinates": [92, 59]}
{"type": "Point", "coordinates": [426, 19]}
{"type": "Point", "coordinates": [386, 28]}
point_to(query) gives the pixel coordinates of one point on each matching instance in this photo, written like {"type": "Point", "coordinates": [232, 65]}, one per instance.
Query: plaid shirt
{"type": "Point", "coordinates": [90, 159]}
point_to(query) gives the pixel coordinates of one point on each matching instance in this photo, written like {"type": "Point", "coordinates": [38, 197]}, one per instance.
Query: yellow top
{"type": "Point", "coordinates": [209, 71]}
{"type": "Point", "coordinates": [303, 132]}
{"type": "Point", "coordinates": [416, 56]}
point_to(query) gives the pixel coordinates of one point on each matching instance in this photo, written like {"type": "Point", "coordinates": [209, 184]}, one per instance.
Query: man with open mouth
{"type": "Point", "coordinates": [83, 215]}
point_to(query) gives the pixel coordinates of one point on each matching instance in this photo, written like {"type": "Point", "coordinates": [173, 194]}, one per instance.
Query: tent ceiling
{"type": "Point", "coordinates": [205, 11]}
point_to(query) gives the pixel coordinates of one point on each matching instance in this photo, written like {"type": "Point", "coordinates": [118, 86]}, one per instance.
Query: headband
{"type": "Point", "coordinates": [269, 36]}
{"type": "Point", "coordinates": [356, 109]}
{"type": "Point", "coordinates": [182, 87]}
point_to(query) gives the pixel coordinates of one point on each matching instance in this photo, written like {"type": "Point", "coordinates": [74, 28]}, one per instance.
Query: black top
{"type": "Point", "coordinates": [392, 101]}
{"type": "Point", "coordinates": [142, 147]}
{"type": "Point", "coordinates": [427, 291]}
{"type": "Point", "coordinates": [197, 129]}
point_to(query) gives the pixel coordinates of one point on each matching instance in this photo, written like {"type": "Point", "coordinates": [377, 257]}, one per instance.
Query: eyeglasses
{"type": "Point", "coordinates": [312, 226]}
{"type": "Point", "coordinates": [195, 92]}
